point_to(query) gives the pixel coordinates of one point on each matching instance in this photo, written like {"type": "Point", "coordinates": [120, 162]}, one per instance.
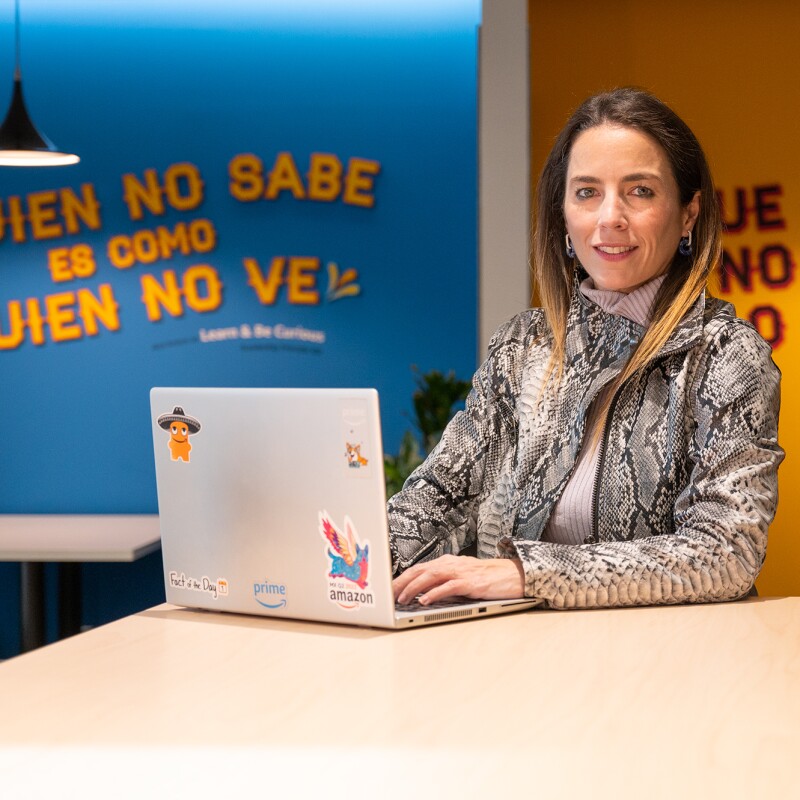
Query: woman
{"type": "Point", "coordinates": [619, 446]}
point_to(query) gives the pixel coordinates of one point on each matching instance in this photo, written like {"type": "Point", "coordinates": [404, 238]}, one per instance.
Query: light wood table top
{"type": "Point", "coordinates": [78, 537]}
{"type": "Point", "coordinates": [691, 701]}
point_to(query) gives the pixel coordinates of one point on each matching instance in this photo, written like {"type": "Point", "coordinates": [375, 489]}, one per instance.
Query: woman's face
{"type": "Point", "coordinates": [622, 207]}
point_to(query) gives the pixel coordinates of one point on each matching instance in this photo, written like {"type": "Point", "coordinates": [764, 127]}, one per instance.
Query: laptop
{"type": "Point", "coordinates": [273, 502]}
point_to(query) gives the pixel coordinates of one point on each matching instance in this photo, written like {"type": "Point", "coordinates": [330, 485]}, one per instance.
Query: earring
{"type": "Point", "coordinates": [685, 245]}
{"type": "Point", "coordinates": [570, 248]}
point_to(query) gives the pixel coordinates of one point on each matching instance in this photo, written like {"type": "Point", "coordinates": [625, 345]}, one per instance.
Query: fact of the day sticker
{"type": "Point", "coordinates": [358, 455]}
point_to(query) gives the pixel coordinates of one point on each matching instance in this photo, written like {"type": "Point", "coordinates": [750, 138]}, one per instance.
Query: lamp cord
{"type": "Point", "coordinates": [17, 73]}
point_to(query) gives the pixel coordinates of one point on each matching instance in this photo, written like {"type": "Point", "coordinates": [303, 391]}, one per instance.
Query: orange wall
{"type": "Point", "coordinates": [730, 69]}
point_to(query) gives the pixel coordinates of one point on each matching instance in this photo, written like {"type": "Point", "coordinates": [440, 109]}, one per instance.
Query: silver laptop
{"type": "Point", "coordinates": [273, 502]}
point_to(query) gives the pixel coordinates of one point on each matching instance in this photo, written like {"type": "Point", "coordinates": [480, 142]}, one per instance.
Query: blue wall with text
{"type": "Point", "coordinates": [267, 196]}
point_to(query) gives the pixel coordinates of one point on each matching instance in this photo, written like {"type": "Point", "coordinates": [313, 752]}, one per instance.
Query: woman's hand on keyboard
{"type": "Point", "coordinates": [461, 576]}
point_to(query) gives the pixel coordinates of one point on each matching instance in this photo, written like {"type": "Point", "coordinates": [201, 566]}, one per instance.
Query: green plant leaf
{"type": "Point", "coordinates": [435, 403]}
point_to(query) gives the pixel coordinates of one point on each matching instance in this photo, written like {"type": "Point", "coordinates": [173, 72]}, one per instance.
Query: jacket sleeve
{"type": "Point", "coordinates": [436, 511]}
{"type": "Point", "coordinates": [720, 519]}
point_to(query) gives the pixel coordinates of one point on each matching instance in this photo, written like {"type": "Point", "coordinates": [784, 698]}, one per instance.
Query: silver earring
{"type": "Point", "coordinates": [570, 248]}
{"type": "Point", "coordinates": [685, 245]}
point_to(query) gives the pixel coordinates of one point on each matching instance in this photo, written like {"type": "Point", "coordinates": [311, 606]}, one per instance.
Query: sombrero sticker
{"type": "Point", "coordinates": [180, 426]}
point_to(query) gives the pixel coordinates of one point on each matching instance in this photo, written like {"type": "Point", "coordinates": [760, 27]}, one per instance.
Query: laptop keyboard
{"type": "Point", "coordinates": [450, 602]}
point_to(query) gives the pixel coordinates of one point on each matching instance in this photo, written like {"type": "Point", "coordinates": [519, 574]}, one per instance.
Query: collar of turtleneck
{"type": "Point", "coordinates": [636, 305]}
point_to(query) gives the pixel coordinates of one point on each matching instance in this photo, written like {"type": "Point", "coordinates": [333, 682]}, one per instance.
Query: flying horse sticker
{"type": "Point", "coordinates": [348, 577]}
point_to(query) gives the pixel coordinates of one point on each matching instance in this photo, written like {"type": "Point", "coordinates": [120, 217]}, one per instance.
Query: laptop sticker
{"type": "Point", "coordinates": [180, 426]}
{"type": "Point", "coordinates": [356, 445]}
{"type": "Point", "coordinates": [353, 455]}
{"type": "Point", "coordinates": [270, 595]}
{"type": "Point", "coordinates": [216, 589]}
{"type": "Point", "coordinates": [348, 576]}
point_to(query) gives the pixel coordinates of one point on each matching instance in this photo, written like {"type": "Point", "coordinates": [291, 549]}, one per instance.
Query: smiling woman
{"type": "Point", "coordinates": [619, 445]}
{"type": "Point", "coordinates": [622, 210]}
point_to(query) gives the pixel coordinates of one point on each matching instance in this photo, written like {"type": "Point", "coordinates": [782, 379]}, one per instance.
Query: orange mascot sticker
{"type": "Point", "coordinates": [180, 426]}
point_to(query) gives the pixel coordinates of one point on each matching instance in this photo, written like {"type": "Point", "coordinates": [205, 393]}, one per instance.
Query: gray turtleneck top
{"type": "Point", "coordinates": [571, 520]}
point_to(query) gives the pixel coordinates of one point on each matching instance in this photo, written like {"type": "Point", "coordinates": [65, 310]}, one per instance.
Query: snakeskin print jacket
{"type": "Point", "coordinates": [686, 484]}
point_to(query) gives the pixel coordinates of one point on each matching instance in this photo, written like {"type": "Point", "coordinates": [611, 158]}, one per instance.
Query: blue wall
{"type": "Point", "coordinates": [140, 86]}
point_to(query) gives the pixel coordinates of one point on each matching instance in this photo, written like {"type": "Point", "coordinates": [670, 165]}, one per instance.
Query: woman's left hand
{"type": "Point", "coordinates": [461, 576]}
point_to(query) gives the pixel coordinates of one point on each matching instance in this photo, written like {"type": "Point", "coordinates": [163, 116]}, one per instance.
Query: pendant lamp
{"type": "Point", "coordinates": [21, 144]}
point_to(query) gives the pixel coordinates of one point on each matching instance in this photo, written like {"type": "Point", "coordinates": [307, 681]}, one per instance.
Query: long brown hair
{"type": "Point", "coordinates": [687, 276]}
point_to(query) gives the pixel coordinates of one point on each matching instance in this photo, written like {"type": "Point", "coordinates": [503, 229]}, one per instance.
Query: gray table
{"type": "Point", "coordinates": [68, 540]}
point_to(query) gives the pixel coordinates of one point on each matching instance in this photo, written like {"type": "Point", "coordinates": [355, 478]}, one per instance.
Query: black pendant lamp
{"type": "Point", "coordinates": [21, 144]}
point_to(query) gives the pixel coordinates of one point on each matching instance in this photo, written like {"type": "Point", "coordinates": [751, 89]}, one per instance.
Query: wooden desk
{"type": "Point", "coordinates": [694, 701]}
{"type": "Point", "coordinates": [69, 540]}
